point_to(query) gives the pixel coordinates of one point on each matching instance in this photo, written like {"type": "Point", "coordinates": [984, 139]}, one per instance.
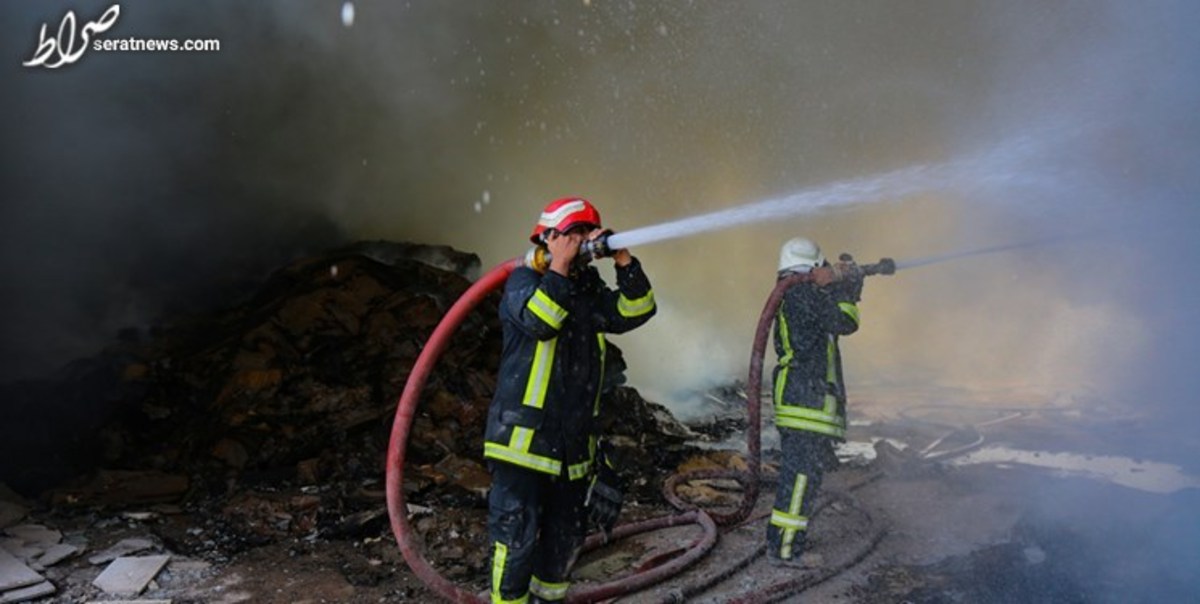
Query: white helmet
{"type": "Point", "coordinates": [800, 255]}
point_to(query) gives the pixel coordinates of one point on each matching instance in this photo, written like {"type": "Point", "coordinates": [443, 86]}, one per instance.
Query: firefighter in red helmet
{"type": "Point", "coordinates": [541, 438]}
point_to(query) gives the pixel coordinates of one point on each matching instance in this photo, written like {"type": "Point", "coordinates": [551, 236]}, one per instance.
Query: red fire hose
{"type": "Point", "coordinates": [397, 446]}
{"type": "Point", "coordinates": [406, 409]}
{"type": "Point", "coordinates": [749, 479]}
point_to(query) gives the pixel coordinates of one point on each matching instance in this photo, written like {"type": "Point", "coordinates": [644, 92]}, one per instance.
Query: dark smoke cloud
{"type": "Point", "coordinates": [140, 183]}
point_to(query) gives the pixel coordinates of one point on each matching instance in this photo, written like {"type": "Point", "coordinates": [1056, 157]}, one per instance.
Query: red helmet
{"type": "Point", "coordinates": [563, 214]}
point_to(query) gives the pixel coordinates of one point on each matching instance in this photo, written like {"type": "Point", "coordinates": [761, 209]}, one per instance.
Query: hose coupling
{"type": "Point", "coordinates": [598, 247]}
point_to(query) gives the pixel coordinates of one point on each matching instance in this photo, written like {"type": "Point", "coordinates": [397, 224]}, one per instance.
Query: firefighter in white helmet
{"type": "Point", "coordinates": [809, 392]}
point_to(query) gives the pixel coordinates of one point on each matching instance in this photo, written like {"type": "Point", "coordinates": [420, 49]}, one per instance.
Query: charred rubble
{"type": "Point", "coordinates": [269, 420]}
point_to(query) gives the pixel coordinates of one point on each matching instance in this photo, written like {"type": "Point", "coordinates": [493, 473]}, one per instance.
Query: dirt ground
{"type": "Point", "coordinates": [892, 527]}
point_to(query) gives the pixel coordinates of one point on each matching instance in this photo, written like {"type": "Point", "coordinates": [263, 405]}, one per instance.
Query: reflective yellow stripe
{"type": "Point", "coordinates": [780, 384]}
{"type": "Point", "coordinates": [830, 404]}
{"type": "Point", "coordinates": [790, 525]}
{"type": "Point", "coordinates": [784, 337]}
{"type": "Point", "coordinates": [796, 423]}
{"type": "Point", "coordinates": [831, 376]}
{"type": "Point", "coordinates": [785, 520]}
{"type": "Point", "coordinates": [600, 385]}
{"type": "Point", "coordinates": [786, 359]}
{"type": "Point", "coordinates": [517, 452]}
{"type": "Point", "coordinates": [804, 418]}
{"type": "Point", "coordinates": [546, 309]}
{"type": "Point", "coordinates": [584, 468]}
{"type": "Point", "coordinates": [851, 310]}
{"type": "Point", "coordinates": [499, 558]}
{"type": "Point", "coordinates": [539, 373]}
{"type": "Point", "coordinates": [823, 421]}
{"type": "Point", "coordinates": [810, 414]}
{"type": "Point", "coordinates": [793, 519]}
{"type": "Point", "coordinates": [525, 460]}
{"type": "Point", "coordinates": [830, 361]}
{"type": "Point", "coordinates": [798, 489]}
{"type": "Point", "coordinates": [635, 308]}
{"type": "Point", "coordinates": [548, 591]}
{"type": "Point", "coordinates": [579, 470]}
{"type": "Point", "coordinates": [521, 438]}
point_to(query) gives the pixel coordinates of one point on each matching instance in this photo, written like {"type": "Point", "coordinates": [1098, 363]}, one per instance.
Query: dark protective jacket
{"type": "Point", "coordinates": [542, 416]}
{"type": "Point", "coordinates": [810, 393]}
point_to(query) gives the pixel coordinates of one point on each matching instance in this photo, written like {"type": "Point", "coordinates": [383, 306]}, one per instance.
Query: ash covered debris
{"type": "Point", "coordinates": [264, 425]}
{"type": "Point", "coordinates": [313, 360]}
{"type": "Point", "coordinates": [720, 412]}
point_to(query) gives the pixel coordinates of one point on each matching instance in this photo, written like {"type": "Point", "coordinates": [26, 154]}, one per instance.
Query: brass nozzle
{"type": "Point", "coordinates": [538, 258]}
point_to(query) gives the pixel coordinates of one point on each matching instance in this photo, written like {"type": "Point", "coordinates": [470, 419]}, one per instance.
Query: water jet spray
{"type": "Point", "coordinates": [964, 175]}
{"type": "Point", "coordinates": [970, 252]}
{"type": "Point", "coordinates": [1007, 168]}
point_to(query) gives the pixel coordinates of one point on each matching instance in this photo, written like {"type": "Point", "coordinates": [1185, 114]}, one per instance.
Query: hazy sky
{"type": "Point", "coordinates": [135, 183]}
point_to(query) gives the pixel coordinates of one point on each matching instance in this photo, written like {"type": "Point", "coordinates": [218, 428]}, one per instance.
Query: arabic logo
{"type": "Point", "coordinates": [64, 45]}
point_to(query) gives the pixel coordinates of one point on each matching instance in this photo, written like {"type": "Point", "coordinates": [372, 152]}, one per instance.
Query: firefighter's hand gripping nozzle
{"type": "Point", "coordinates": [598, 247]}
{"type": "Point", "coordinates": [538, 257]}
{"type": "Point", "coordinates": [846, 267]}
{"type": "Point", "coordinates": [846, 276]}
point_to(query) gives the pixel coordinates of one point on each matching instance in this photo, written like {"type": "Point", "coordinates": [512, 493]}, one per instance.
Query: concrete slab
{"type": "Point", "coordinates": [14, 573]}
{"type": "Point", "coordinates": [39, 590]}
{"type": "Point", "coordinates": [16, 547]}
{"type": "Point", "coordinates": [56, 554]}
{"type": "Point", "coordinates": [128, 576]}
{"type": "Point", "coordinates": [122, 548]}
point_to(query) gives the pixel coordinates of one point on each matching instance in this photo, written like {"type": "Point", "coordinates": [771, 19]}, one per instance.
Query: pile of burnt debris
{"type": "Point", "coordinates": [269, 420]}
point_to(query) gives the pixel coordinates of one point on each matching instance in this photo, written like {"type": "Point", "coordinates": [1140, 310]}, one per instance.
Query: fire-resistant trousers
{"type": "Point", "coordinates": [806, 456]}
{"type": "Point", "coordinates": [536, 523]}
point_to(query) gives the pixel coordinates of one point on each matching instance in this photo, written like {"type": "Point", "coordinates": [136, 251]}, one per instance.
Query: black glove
{"type": "Point", "coordinates": [604, 496]}
{"type": "Point", "coordinates": [849, 284]}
